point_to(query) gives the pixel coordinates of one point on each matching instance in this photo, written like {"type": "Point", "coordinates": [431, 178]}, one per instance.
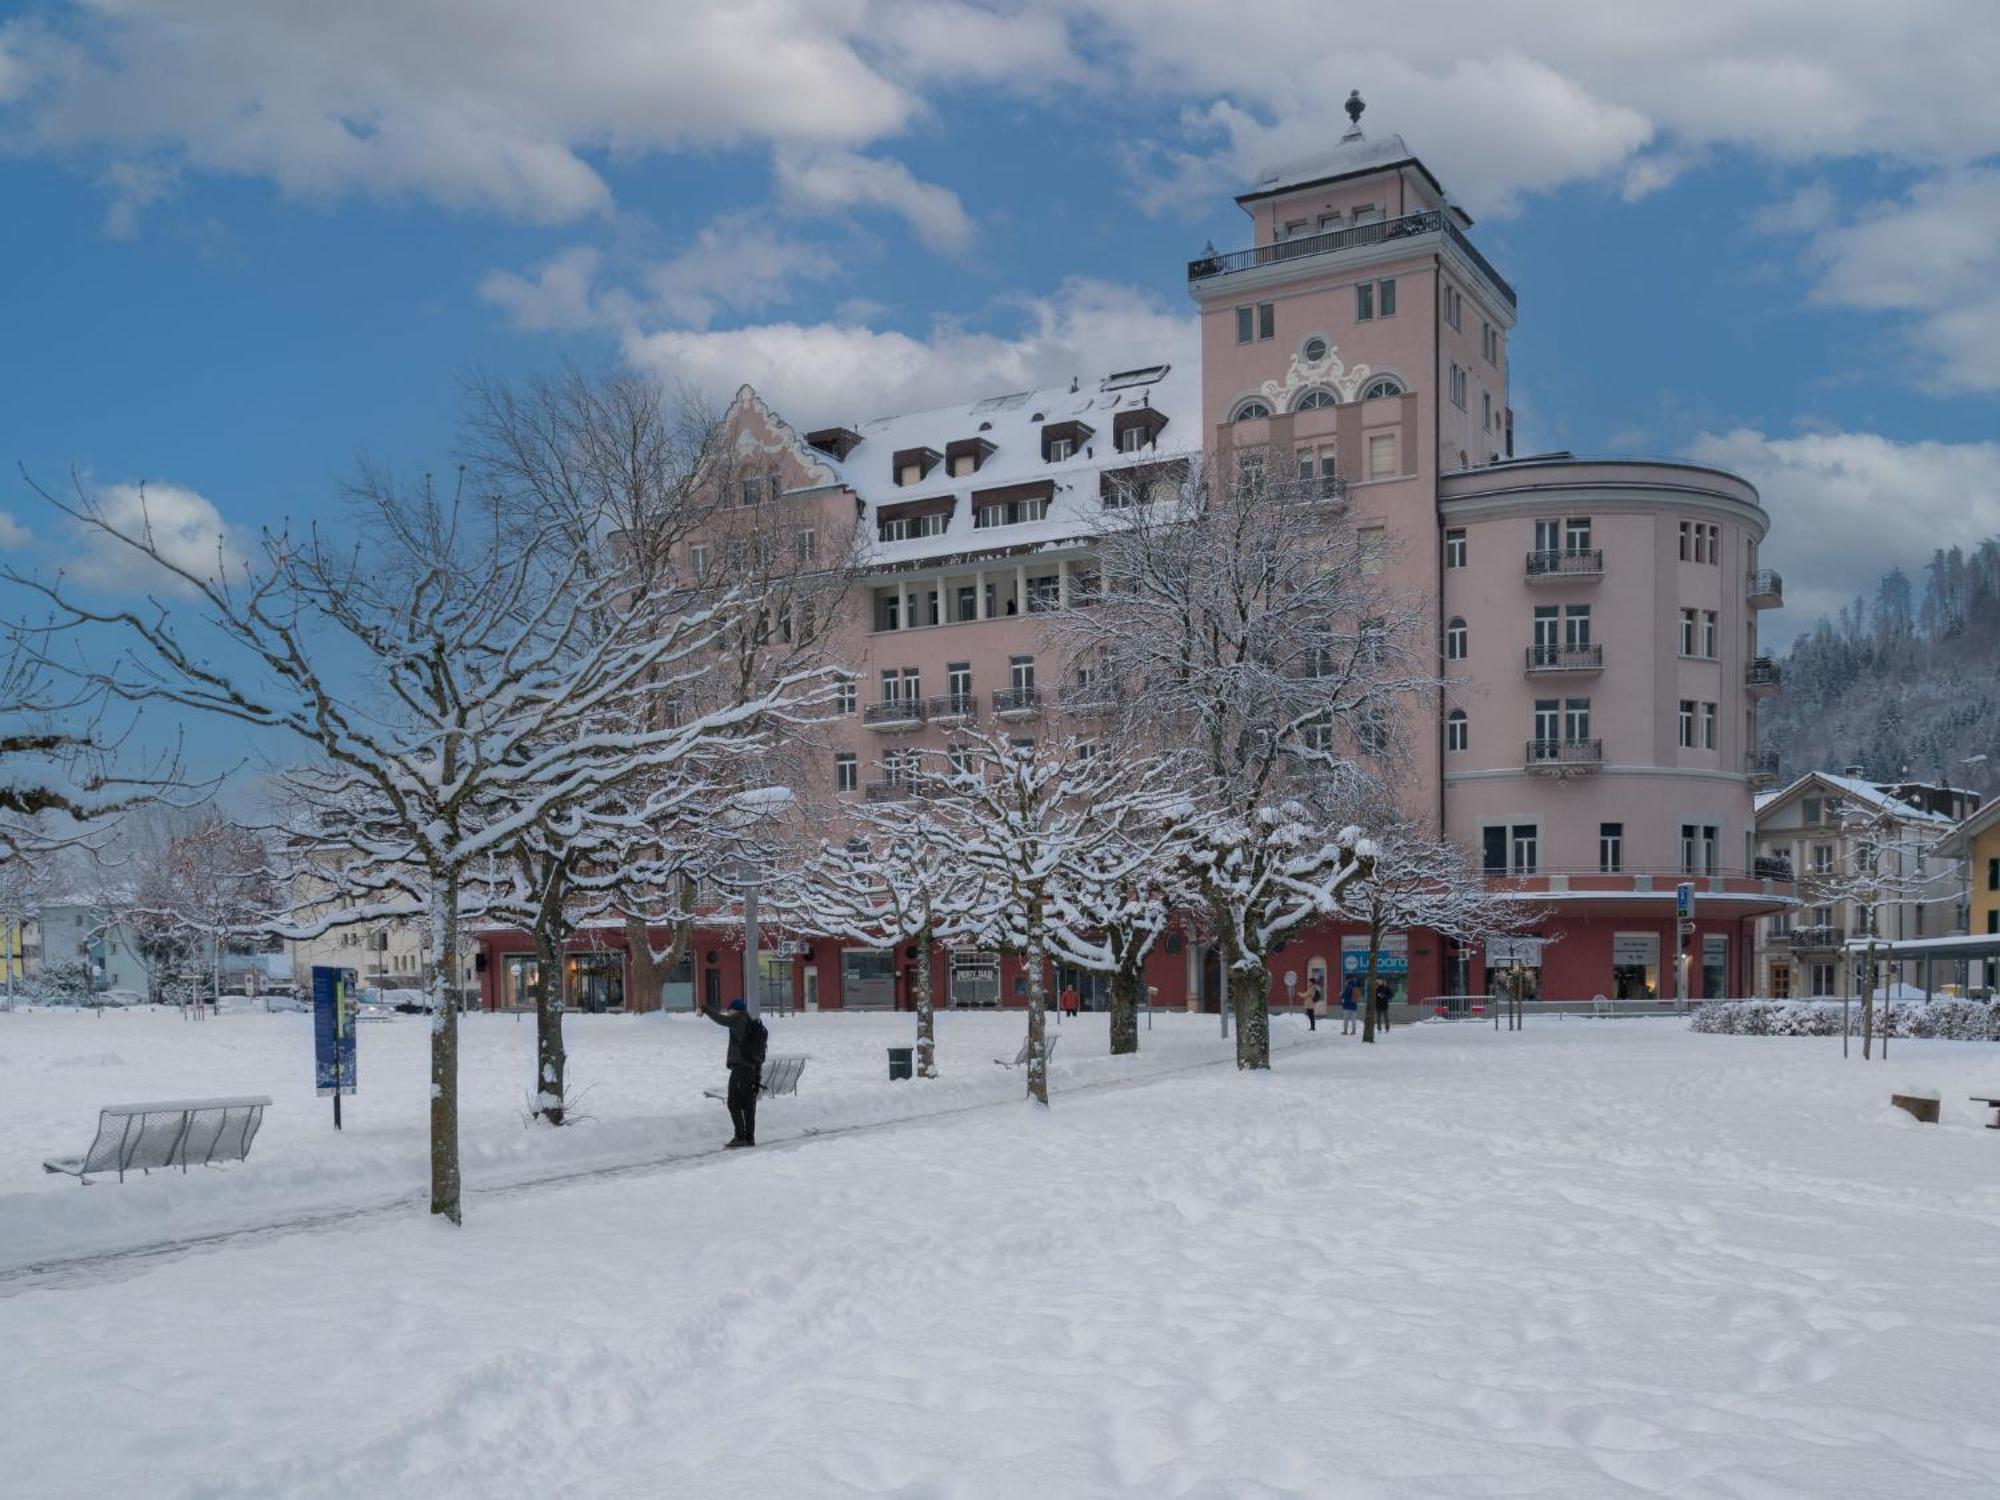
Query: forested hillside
{"type": "Point", "coordinates": [1907, 681]}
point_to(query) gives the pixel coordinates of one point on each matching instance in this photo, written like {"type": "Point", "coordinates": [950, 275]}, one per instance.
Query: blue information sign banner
{"type": "Point", "coordinates": [1387, 961]}
{"type": "Point", "coordinates": [333, 1029]}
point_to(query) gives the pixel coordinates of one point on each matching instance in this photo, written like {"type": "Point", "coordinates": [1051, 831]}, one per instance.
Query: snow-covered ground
{"type": "Point", "coordinates": [1593, 1259]}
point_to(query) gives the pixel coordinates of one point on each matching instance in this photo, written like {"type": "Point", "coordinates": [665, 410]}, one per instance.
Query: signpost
{"type": "Point", "coordinates": [333, 1033]}
{"type": "Point", "coordinates": [1683, 926]}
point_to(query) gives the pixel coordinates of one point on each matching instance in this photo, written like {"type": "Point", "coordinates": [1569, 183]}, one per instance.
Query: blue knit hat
{"type": "Point", "coordinates": [737, 1004]}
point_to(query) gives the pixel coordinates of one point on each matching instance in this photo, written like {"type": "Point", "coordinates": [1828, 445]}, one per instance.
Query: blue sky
{"type": "Point", "coordinates": [248, 241]}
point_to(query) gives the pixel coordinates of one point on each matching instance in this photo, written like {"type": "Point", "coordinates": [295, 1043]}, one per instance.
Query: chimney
{"type": "Point", "coordinates": [1858, 773]}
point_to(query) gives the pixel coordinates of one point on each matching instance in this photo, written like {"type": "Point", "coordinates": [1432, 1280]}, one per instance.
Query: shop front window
{"type": "Point", "coordinates": [521, 982]}
{"type": "Point", "coordinates": [1392, 964]}
{"type": "Point", "coordinates": [596, 981]}
{"type": "Point", "coordinates": [1635, 966]}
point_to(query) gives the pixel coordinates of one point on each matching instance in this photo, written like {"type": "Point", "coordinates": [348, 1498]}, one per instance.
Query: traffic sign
{"type": "Point", "coordinates": [1684, 900]}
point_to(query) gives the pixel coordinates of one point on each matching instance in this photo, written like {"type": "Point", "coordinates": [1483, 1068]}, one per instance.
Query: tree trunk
{"type": "Point", "coordinates": [1868, 1002]}
{"type": "Point", "coordinates": [926, 1008]}
{"type": "Point", "coordinates": [551, 1061]}
{"type": "Point", "coordinates": [1368, 984]}
{"type": "Point", "coordinates": [443, 896]}
{"type": "Point", "coordinates": [648, 981]}
{"type": "Point", "coordinates": [1250, 998]}
{"type": "Point", "coordinates": [1125, 983]}
{"type": "Point", "coordinates": [1038, 1013]}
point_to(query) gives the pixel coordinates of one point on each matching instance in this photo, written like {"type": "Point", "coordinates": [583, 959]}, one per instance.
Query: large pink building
{"type": "Point", "coordinates": [1596, 618]}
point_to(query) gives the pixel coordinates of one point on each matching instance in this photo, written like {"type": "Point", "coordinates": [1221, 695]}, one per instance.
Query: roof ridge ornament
{"type": "Point", "coordinates": [1354, 106]}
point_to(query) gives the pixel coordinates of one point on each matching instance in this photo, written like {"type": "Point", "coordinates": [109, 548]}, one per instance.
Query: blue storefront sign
{"type": "Point", "coordinates": [333, 1032]}
{"type": "Point", "coordinates": [1388, 961]}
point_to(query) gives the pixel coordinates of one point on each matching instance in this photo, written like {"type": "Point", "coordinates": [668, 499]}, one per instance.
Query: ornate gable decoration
{"type": "Point", "coordinates": [760, 430]}
{"type": "Point", "coordinates": [1304, 374]}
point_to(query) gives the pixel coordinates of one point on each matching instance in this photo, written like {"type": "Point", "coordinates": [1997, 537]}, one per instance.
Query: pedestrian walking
{"type": "Point", "coordinates": [748, 1041]}
{"type": "Point", "coordinates": [1070, 1001]}
{"type": "Point", "coordinates": [1350, 1008]}
{"type": "Point", "coordinates": [1315, 1004]}
{"type": "Point", "coordinates": [1382, 1004]}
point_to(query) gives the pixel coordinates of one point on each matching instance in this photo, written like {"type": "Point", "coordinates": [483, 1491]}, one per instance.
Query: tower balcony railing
{"type": "Point", "coordinates": [1808, 939]}
{"type": "Point", "coordinates": [1761, 766]}
{"type": "Point", "coordinates": [1333, 241]}
{"type": "Point", "coordinates": [893, 714]}
{"type": "Point", "coordinates": [1762, 676]}
{"type": "Point", "coordinates": [1097, 696]}
{"type": "Point", "coordinates": [1554, 563]}
{"type": "Point", "coordinates": [1764, 589]}
{"type": "Point", "coordinates": [1559, 658]}
{"type": "Point", "coordinates": [1565, 755]}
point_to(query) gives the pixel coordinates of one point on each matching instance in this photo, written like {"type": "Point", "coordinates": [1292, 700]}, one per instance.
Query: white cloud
{"type": "Point", "coordinates": [186, 527]}
{"type": "Point", "coordinates": [736, 264]}
{"type": "Point", "coordinates": [132, 187]}
{"type": "Point", "coordinates": [12, 533]}
{"type": "Point", "coordinates": [817, 373]}
{"type": "Point", "coordinates": [832, 182]}
{"type": "Point", "coordinates": [933, 40]}
{"type": "Point", "coordinates": [1846, 506]}
{"type": "Point", "coordinates": [497, 105]}
{"type": "Point", "coordinates": [1933, 255]}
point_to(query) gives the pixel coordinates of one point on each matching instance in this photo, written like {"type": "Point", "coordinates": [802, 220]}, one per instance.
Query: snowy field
{"type": "Point", "coordinates": [1594, 1259]}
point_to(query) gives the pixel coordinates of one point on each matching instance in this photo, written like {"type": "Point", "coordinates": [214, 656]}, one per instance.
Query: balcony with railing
{"type": "Point", "coordinates": [1354, 237]}
{"type": "Point", "coordinates": [894, 715]}
{"type": "Point", "coordinates": [1762, 676]}
{"type": "Point", "coordinates": [1809, 939]}
{"type": "Point", "coordinates": [953, 708]}
{"type": "Point", "coordinates": [1017, 702]}
{"type": "Point", "coordinates": [1565, 755]}
{"type": "Point", "coordinates": [1089, 698]}
{"type": "Point", "coordinates": [1764, 589]}
{"type": "Point", "coordinates": [889, 789]}
{"type": "Point", "coordinates": [1559, 564]}
{"type": "Point", "coordinates": [1772, 867]}
{"type": "Point", "coordinates": [1559, 658]}
{"type": "Point", "coordinates": [1761, 766]}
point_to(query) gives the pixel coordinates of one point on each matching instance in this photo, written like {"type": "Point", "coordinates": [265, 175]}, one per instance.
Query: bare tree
{"type": "Point", "coordinates": [898, 879]}
{"type": "Point", "coordinates": [1122, 915]}
{"type": "Point", "coordinates": [1246, 622]}
{"type": "Point", "coordinates": [491, 694]}
{"type": "Point", "coordinates": [1414, 879]}
{"type": "Point", "coordinates": [1881, 861]}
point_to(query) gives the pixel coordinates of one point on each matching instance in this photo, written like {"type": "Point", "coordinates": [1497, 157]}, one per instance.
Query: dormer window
{"type": "Point", "coordinates": [1137, 429]}
{"type": "Point", "coordinates": [965, 455]}
{"type": "Point", "coordinates": [1061, 440]}
{"type": "Point", "coordinates": [837, 442]}
{"type": "Point", "coordinates": [913, 465]}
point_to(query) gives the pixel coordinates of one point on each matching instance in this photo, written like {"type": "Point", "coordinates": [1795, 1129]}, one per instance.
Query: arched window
{"type": "Point", "coordinates": [1455, 729]}
{"type": "Point", "coordinates": [1313, 400]}
{"type": "Point", "coordinates": [1382, 385]}
{"type": "Point", "coordinates": [1251, 411]}
{"type": "Point", "coordinates": [1454, 639]}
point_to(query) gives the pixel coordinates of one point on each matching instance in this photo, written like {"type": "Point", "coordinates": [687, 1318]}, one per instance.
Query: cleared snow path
{"type": "Point", "coordinates": [1594, 1260]}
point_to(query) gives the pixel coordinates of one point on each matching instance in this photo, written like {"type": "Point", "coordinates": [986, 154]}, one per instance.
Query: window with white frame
{"type": "Point", "coordinates": [1454, 639]}
{"type": "Point", "coordinates": [1456, 730]}
{"type": "Point", "coordinates": [846, 773]}
{"type": "Point", "coordinates": [805, 545]}
{"type": "Point", "coordinates": [845, 696]}
{"type": "Point", "coordinates": [698, 561]}
{"type": "Point", "coordinates": [1454, 547]}
{"type": "Point", "coordinates": [1689, 629]}
{"type": "Point", "coordinates": [1382, 462]}
{"type": "Point", "coordinates": [1687, 724]}
{"type": "Point", "coordinates": [1708, 633]}
{"type": "Point", "coordinates": [1708, 722]}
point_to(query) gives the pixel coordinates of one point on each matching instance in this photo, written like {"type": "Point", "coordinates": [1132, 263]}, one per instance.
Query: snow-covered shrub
{"type": "Point", "coordinates": [1940, 1020]}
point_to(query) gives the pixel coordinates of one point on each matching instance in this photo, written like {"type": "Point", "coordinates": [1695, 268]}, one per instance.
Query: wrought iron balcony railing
{"type": "Point", "coordinates": [1762, 672]}
{"type": "Point", "coordinates": [1565, 658]}
{"type": "Point", "coordinates": [1764, 589]}
{"type": "Point", "coordinates": [1014, 703]}
{"type": "Point", "coordinates": [894, 713]}
{"type": "Point", "coordinates": [1566, 562]}
{"type": "Point", "coordinates": [953, 706]}
{"type": "Point", "coordinates": [1565, 753]}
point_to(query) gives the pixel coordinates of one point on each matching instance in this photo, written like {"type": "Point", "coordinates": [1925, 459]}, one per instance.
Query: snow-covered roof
{"type": "Point", "coordinates": [1352, 154]}
{"type": "Point", "coordinates": [1866, 792]}
{"type": "Point", "coordinates": [1012, 424]}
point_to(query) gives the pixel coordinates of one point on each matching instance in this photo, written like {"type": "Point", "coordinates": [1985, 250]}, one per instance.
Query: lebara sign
{"type": "Point", "coordinates": [333, 1032]}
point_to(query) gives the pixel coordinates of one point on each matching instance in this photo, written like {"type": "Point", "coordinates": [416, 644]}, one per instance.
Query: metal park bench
{"type": "Point", "coordinates": [1992, 1104]}
{"type": "Point", "coordinates": [780, 1076]}
{"type": "Point", "coordinates": [172, 1133]}
{"type": "Point", "coordinates": [1021, 1057]}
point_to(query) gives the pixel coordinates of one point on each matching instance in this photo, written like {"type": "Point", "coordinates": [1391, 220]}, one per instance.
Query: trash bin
{"type": "Point", "coordinates": [902, 1063]}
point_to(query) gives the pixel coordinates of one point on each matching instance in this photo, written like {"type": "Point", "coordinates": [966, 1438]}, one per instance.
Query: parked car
{"type": "Point", "coordinates": [116, 997]}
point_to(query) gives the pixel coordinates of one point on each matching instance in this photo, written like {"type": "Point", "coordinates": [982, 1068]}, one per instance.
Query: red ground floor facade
{"type": "Point", "coordinates": [1617, 945]}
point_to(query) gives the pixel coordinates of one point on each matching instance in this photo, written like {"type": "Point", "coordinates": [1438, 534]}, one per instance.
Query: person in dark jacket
{"type": "Point", "coordinates": [746, 1066]}
{"type": "Point", "coordinates": [1382, 1004]}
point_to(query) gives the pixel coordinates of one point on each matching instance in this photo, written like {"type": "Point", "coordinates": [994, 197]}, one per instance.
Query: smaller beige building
{"type": "Point", "coordinates": [388, 955]}
{"type": "Point", "coordinates": [1817, 826]}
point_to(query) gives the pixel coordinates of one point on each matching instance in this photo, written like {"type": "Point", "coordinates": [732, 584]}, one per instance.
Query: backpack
{"type": "Point", "coordinates": [756, 1041]}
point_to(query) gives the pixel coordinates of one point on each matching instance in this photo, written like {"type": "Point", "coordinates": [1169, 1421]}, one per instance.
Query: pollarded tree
{"type": "Point", "coordinates": [1264, 879]}
{"type": "Point", "coordinates": [1414, 879]}
{"type": "Point", "coordinates": [447, 706]}
{"type": "Point", "coordinates": [899, 879]}
{"type": "Point", "coordinates": [1243, 620]}
{"type": "Point", "coordinates": [1035, 822]}
{"type": "Point", "coordinates": [1123, 917]}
